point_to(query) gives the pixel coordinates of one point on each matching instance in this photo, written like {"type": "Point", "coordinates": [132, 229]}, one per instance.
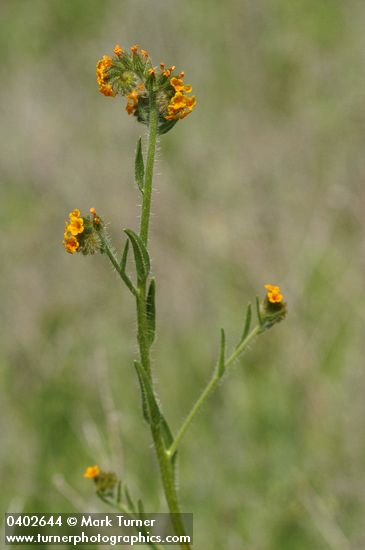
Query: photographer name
{"type": "Point", "coordinates": [115, 521]}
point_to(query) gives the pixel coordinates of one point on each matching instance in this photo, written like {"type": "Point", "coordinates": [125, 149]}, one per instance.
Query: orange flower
{"type": "Point", "coordinates": [70, 243]}
{"type": "Point", "coordinates": [178, 85]}
{"type": "Point", "coordinates": [168, 71]}
{"type": "Point", "coordinates": [118, 50]}
{"type": "Point", "coordinates": [134, 49]}
{"type": "Point", "coordinates": [132, 102]}
{"type": "Point", "coordinates": [144, 53]}
{"type": "Point", "coordinates": [92, 472]}
{"type": "Point", "coordinates": [273, 294]}
{"type": "Point", "coordinates": [180, 106]}
{"type": "Point", "coordinates": [102, 67]}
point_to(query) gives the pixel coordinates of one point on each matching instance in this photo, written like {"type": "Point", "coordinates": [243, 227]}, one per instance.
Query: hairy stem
{"type": "Point", "coordinates": [166, 468]}
{"type": "Point", "coordinates": [208, 390]}
{"type": "Point", "coordinates": [147, 188]}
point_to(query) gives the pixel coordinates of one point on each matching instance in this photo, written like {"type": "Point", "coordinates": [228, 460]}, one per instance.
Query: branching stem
{"type": "Point", "coordinates": [164, 456]}
{"type": "Point", "coordinates": [208, 390]}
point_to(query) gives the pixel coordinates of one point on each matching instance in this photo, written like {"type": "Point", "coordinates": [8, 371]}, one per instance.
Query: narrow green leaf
{"type": "Point", "coordinates": [222, 355]}
{"type": "Point", "coordinates": [145, 409]}
{"type": "Point", "coordinates": [154, 414]}
{"type": "Point", "coordinates": [139, 166]}
{"type": "Point", "coordinates": [141, 510]}
{"type": "Point", "coordinates": [167, 436]}
{"type": "Point", "coordinates": [151, 311]}
{"type": "Point", "coordinates": [119, 492]}
{"type": "Point", "coordinates": [141, 256]}
{"type": "Point", "coordinates": [258, 311]}
{"type": "Point", "coordinates": [247, 326]}
{"type": "Point", "coordinates": [123, 261]}
{"type": "Point", "coordinates": [166, 126]}
{"type": "Point", "coordinates": [129, 499]}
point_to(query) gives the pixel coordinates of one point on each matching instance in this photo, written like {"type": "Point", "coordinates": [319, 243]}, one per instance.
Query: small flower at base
{"type": "Point", "coordinates": [92, 472]}
{"type": "Point", "coordinates": [105, 482]}
{"type": "Point", "coordinates": [273, 294]}
{"type": "Point", "coordinates": [273, 308]}
{"type": "Point", "coordinates": [82, 233]}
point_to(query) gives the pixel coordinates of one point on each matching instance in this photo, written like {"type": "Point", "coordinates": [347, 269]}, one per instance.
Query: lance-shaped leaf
{"type": "Point", "coordinates": [151, 311]}
{"type": "Point", "coordinates": [258, 311]}
{"type": "Point", "coordinates": [139, 166]}
{"type": "Point", "coordinates": [222, 356]}
{"type": "Point", "coordinates": [123, 261]}
{"type": "Point", "coordinates": [129, 500]}
{"type": "Point", "coordinates": [119, 492]}
{"type": "Point", "coordinates": [247, 325]}
{"type": "Point", "coordinates": [149, 402]}
{"type": "Point", "coordinates": [141, 511]}
{"type": "Point", "coordinates": [167, 436]}
{"type": "Point", "coordinates": [141, 256]}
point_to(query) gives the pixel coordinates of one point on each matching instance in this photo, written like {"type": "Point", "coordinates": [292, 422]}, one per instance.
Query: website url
{"type": "Point", "coordinates": [82, 538]}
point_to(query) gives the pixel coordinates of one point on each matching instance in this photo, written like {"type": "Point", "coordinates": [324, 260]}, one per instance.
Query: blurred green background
{"type": "Point", "coordinates": [262, 183]}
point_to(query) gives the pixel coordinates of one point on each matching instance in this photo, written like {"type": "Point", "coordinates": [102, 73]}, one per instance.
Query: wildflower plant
{"type": "Point", "coordinates": [158, 98]}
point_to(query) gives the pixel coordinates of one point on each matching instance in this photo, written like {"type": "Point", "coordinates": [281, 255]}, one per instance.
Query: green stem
{"type": "Point", "coordinates": [169, 485]}
{"type": "Point", "coordinates": [208, 390]}
{"type": "Point", "coordinates": [147, 188]}
{"type": "Point", "coordinates": [165, 465]}
{"type": "Point", "coordinates": [142, 329]}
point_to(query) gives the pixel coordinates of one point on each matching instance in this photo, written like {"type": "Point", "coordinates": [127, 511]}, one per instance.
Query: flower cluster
{"type": "Point", "coordinates": [131, 74]}
{"type": "Point", "coordinates": [273, 309]}
{"type": "Point", "coordinates": [180, 104]}
{"type": "Point", "coordinates": [102, 76]}
{"type": "Point", "coordinates": [105, 481]}
{"type": "Point", "coordinates": [73, 227]}
{"type": "Point", "coordinates": [82, 234]}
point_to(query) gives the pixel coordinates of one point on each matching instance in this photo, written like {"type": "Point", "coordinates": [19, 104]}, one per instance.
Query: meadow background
{"type": "Point", "coordinates": [264, 182]}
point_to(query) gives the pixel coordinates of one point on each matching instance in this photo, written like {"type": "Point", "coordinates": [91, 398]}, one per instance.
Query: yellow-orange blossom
{"type": "Point", "coordinates": [273, 294]}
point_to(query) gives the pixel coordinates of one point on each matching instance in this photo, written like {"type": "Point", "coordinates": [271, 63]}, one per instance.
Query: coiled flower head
{"type": "Point", "coordinates": [131, 75]}
{"type": "Point", "coordinates": [82, 234]}
{"type": "Point", "coordinates": [273, 308]}
{"type": "Point", "coordinates": [105, 482]}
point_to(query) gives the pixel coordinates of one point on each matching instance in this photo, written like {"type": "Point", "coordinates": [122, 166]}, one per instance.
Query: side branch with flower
{"type": "Point", "coordinates": [157, 97]}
